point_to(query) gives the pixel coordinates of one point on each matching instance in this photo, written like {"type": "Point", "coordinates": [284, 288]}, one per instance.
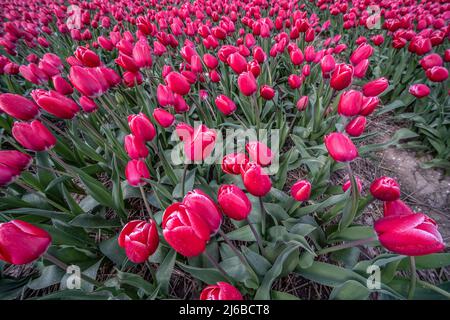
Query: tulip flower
{"type": "Point", "coordinates": [33, 136]}
{"type": "Point", "coordinates": [356, 126]}
{"type": "Point", "coordinates": [364, 51]}
{"type": "Point", "coordinates": [88, 57]}
{"type": "Point", "coordinates": [220, 291]}
{"type": "Point", "coordinates": [340, 147]}
{"type": "Point", "coordinates": [385, 189]}
{"type": "Point", "coordinates": [8, 174]}
{"type": "Point", "coordinates": [375, 87]}
{"type": "Point", "coordinates": [135, 147]}
{"type": "Point", "coordinates": [247, 83]}
{"type": "Point", "coordinates": [232, 163]}
{"type": "Point", "coordinates": [234, 202]}
{"type": "Point", "coordinates": [368, 105]}
{"type": "Point", "coordinates": [33, 74]}
{"type": "Point", "coordinates": [430, 61]}
{"type": "Point", "coordinates": [198, 201]}
{"type": "Point", "coordinates": [225, 104]}
{"type": "Point", "coordinates": [302, 103]}
{"type": "Point", "coordinates": [135, 171]}
{"type": "Point", "coordinates": [18, 107]}
{"type": "Point", "coordinates": [437, 74]}
{"type": "Point", "coordinates": [348, 184]}
{"type": "Point", "coordinates": [164, 95]}
{"type": "Point", "coordinates": [185, 230]}
{"type": "Point", "coordinates": [210, 61]}
{"type": "Point", "coordinates": [267, 92]}
{"type": "Point", "coordinates": [294, 81]}
{"type": "Point", "coordinates": [55, 103]}
{"type": "Point", "coordinates": [15, 159]}
{"type": "Point", "coordinates": [164, 118]}
{"type": "Point", "coordinates": [199, 143]}
{"type": "Point", "coordinates": [301, 190]}
{"type": "Point", "coordinates": [350, 103]}
{"type": "Point", "coordinates": [237, 62]}
{"type": "Point", "coordinates": [296, 57]}
{"type": "Point", "coordinates": [87, 104]}
{"type": "Point", "coordinates": [361, 68]}
{"type": "Point", "coordinates": [256, 181]}
{"type": "Point", "coordinates": [396, 208]}
{"type": "Point", "coordinates": [178, 83]}
{"type": "Point", "coordinates": [259, 153]}
{"type": "Point", "coordinates": [327, 64]}
{"type": "Point", "coordinates": [341, 77]}
{"type": "Point", "coordinates": [131, 79]}
{"type": "Point", "coordinates": [411, 235]}
{"type": "Point", "coordinates": [61, 85]}
{"type": "Point", "coordinates": [22, 242]}
{"type": "Point", "coordinates": [141, 127]}
{"type": "Point", "coordinates": [139, 239]}
{"type": "Point", "coordinates": [419, 90]}
{"type": "Point", "coordinates": [142, 54]}
{"type": "Point", "coordinates": [86, 82]}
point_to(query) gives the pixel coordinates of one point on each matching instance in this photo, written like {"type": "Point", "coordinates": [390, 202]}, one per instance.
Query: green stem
{"type": "Point", "coordinates": [434, 288]}
{"type": "Point", "coordinates": [412, 285]}
{"type": "Point", "coordinates": [147, 205]}
{"type": "Point", "coordinates": [217, 266]}
{"type": "Point", "coordinates": [183, 179]}
{"type": "Point", "coordinates": [263, 216]}
{"type": "Point", "coordinates": [350, 244]}
{"type": "Point", "coordinates": [257, 237]}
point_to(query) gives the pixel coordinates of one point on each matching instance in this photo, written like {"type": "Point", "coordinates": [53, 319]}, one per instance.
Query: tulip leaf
{"type": "Point", "coordinates": [353, 233]}
{"type": "Point", "coordinates": [50, 275]}
{"type": "Point", "coordinates": [207, 275]}
{"type": "Point", "coordinates": [110, 248]}
{"type": "Point", "coordinates": [430, 261]}
{"type": "Point", "coordinates": [165, 270]}
{"type": "Point", "coordinates": [279, 295]}
{"type": "Point", "coordinates": [350, 290]}
{"type": "Point", "coordinates": [87, 220]}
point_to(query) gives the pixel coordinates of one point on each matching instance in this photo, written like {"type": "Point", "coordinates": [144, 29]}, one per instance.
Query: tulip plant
{"type": "Point", "coordinates": [148, 143]}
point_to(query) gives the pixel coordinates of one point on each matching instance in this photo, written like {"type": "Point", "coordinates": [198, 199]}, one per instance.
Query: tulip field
{"type": "Point", "coordinates": [213, 150]}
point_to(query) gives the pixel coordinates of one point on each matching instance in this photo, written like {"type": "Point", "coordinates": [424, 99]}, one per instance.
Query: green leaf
{"type": "Point", "coordinates": [278, 295]}
{"type": "Point", "coordinates": [242, 234]}
{"type": "Point", "coordinates": [164, 271]}
{"type": "Point", "coordinates": [96, 189]}
{"type": "Point", "coordinates": [50, 275]}
{"type": "Point", "coordinates": [207, 275]}
{"type": "Point", "coordinates": [353, 233]}
{"type": "Point", "coordinates": [87, 220]}
{"type": "Point", "coordinates": [136, 281]}
{"type": "Point", "coordinates": [350, 290]}
{"type": "Point", "coordinates": [38, 212]}
{"type": "Point", "coordinates": [430, 261]}
{"type": "Point", "coordinates": [110, 248]}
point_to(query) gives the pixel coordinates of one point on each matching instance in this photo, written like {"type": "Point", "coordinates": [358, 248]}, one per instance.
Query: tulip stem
{"type": "Point", "coordinates": [183, 179]}
{"type": "Point", "coordinates": [263, 216]}
{"type": "Point", "coordinates": [434, 288]}
{"type": "Point", "coordinates": [412, 285]}
{"type": "Point", "coordinates": [257, 237]}
{"type": "Point", "coordinates": [64, 267]}
{"type": "Point", "coordinates": [147, 205]}
{"type": "Point", "coordinates": [217, 265]}
{"type": "Point", "coordinates": [350, 244]}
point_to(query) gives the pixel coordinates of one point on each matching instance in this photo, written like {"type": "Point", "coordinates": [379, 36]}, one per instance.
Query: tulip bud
{"type": "Point", "coordinates": [259, 54]}
{"type": "Point", "coordinates": [267, 92]}
{"type": "Point", "coordinates": [411, 235]}
{"type": "Point", "coordinates": [419, 90]}
{"type": "Point", "coordinates": [237, 62]}
{"type": "Point", "coordinates": [341, 77]}
{"type": "Point", "coordinates": [301, 190]}
{"type": "Point", "coordinates": [225, 104]}
{"type": "Point", "coordinates": [198, 201]}
{"type": "Point", "coordinates": [210, 61]}
{"type": "Point", "coordinates": [348, 184]}
{"type": "Point", "coordinates": [88, 105]}
{"type": "Point", "coordinates": [385, 189]}
{"type": "Point", "coordinates": [375, 87]}
{"type": "Point", "coordinates": [139, 239]}
{"type": "Point", "coordinates": [364, 51]}
{"type": "Point", "coordinates": [259, 153]}
{"type": "Point", "coordinates": [220, 291]}
{"type": "Point", "coordinates": [22, 242]}
{"type": "Point", "coordinates": [135, 147]}
{"type": "Point", "coordinates": [430, 61]}
{"type": "Point", "coordinates": [356, 127]}
{"type": "Point", "coordinates": [86, 82]}
{"type": "Point", "coordinates": [88, 57]}
{"type": "Point", "coordinates": [164, 118]}
{"type": "Point", "coordinates": [437, 74]}
{"type": "Point", "coordinates": [327, 65]}
{"type": "Point", "coordinates": [302, 103]}
{"type": "Point", "coordinates": [350, 103]}
{"type": "Point", "coordinates": [294, 81]}
{"type": "Point", "coordinates": [247, 83]}
{"type": "Point", "coordinates": [234, 202]}
{"type": "Point", "coordinates": [185, 230]}
{"type": "Point", "coordinates": [296, 57]}
{"type": "Point", "coordinates": [233, 163]}
{"type": "Point", "coordinates": [256, 181]}
{"type": "Point", "coordinates": [361, 68]}
{"type": "Point", "coordinates": [178, 83]}
{"type": "Point", "coordinates": [33, 136]}
{"type": "Point", "coordinates": [368, 105]}
{"type": "Point", "coordinates": [135, 171]}
{"type": "Point", "coordinates": [396, 208]}
{"type": "Point", "coordinates": [141, 127]}
{"type": "Point", "coordinates": [18, 107]}
{"type": "Point", "coordinates": [340, 147]}
{"type": "Point", "coordinates": [61, 85]}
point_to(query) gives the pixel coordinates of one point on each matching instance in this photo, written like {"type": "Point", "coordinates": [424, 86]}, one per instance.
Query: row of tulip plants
{"type": "Point", "coordinates": [148, 143]}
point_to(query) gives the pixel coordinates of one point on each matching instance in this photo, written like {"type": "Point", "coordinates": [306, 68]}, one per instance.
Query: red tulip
{"type": "Point", "coordinates": [135, 171]}
{"type": "Point", "coordinates": [296, 56]}
{"type": "Point", "coordinates": [178, 83]}
{"type": "Point", "coordinates": [135, 147]}
{"type": "Point", "coordinates": [431, 60]}
{"type": "Point", "coordinates": [185, 230]}
{"type": "Point", "coordinates": [361, 68]}
{"type": "Point", "coordinates": [341, 77]}
{"type": "Point", "coordinates": [267, 92]}
{"type": "Point", "coordinates": [294, 81]}
{"type": "Point", "coordinates": [85, 82]}
{"type": "Point", "coordinates": [233, 162]}
{"type": "Point", "coordinates": [15, 159]}
{"type": "Point", "coordinates": [61, 85]}
{"type": "Point", "coordinates": [348, 184]}
{"type": "Point", "coordinates": [131, 79]}
{"type": "Point", "coordinates": [225, 104]}
{"type": "Point", "coordinates": [259, 153]}
{"type": "Point", "coordinates": [437, 74]}
{"type": "Point", "coordinates": [164, 95]}
{"type": "Point", "coordinates": [237, 62]}
{"type": "Point", "coordinates": [220, 291]}
{"type": "Point", "coordinates": [340, 147]}
{"type": "Point", "coordinates": [198, 201]}
{"type": "Point", "coordinates": [385, 189]}
{"type": "Point", "coordinates": [419, 90]}
{"type": "Point", "coordinates": [22, 242]}
{"type": "Point", "coordinates": [259, 54]}
{"type": "Point", "coordinates": [88, 57]}
{"type": "Point", "coordinates": [55, 103]}
{"type": "Point", "coordinates": [247, 83]}
{"type": "Point", "coordinates": [234, 202]}
{"type": "Point", "coordinates": [301, 190]}
{"type": "Point", "coordinates": [350, 103]}
{"type": "Point", "coordinates": [411, 235]}
{"type": "Point", "coordinates": [33, 74]}
{"type": "Point", "coordinates": [302, 103]}
{"type": "Point", "coordinates": [18, 107]}
{"type": "Point", "coordinates": [375, 87]}
{"type": "Point", "coordinates": [198, 144]}
{"type": "Point", "coordinates": [33, 136]}
{"type": "Point", "coordinates": [141, 127]}
{"type": "Point", "coordinates": [356, 127]}
{"type": "Point", "coordinates": [164, 118]}
{"type": "Point", "coordinates": [8, 174]}
{"type": "Point", "coordinates": [142, 54]}
{"type": "Point", "coordinates": [396, 208]}
{"type": "Point", "coordinates": [256, 181]}
{"type": "Point", "coordinates": [139, 239]}
{"type": "Point", "coordinates": [364, 51]}
{"type": "Point", "coordinates": [368, 105]}
{"type": "Point", "coordinates": [210, 61]}
{"type": "Point", "coordinates": [327, 65]}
